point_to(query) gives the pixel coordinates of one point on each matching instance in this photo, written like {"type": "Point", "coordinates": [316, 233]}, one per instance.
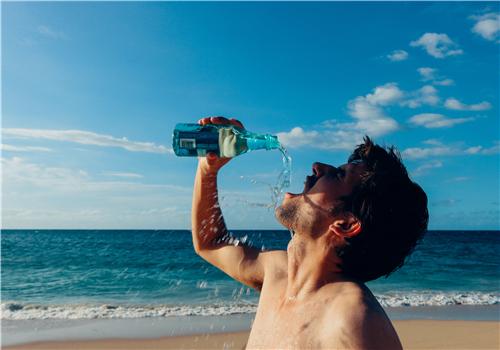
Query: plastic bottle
{"type": "Point", "coordinates": [195, 140]}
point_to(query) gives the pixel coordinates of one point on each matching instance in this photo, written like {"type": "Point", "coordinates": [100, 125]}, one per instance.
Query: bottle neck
{"type": "Point", "coordinates": [266, 141]}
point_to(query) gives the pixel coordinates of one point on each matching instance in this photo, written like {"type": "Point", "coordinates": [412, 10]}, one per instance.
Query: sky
{"type": "Point", "coordinates": [91, 93]}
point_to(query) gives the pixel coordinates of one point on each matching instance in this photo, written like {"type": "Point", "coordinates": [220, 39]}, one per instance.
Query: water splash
{"type": "Point", "coordinates": [278, 189]}
{"type": "Point", "coordinates": [284, 178]}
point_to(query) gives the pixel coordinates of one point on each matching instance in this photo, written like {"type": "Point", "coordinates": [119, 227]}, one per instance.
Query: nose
{"type": "Point", "coordinates": [320, 169]}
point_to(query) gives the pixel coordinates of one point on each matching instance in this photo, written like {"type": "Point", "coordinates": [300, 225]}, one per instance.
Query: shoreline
{"type": "Point", "coordinates": [18, 332]}
{"type": "Point", "coordinates": [107, 333]}
{"type": "Point", "coordinates": [414, 334]}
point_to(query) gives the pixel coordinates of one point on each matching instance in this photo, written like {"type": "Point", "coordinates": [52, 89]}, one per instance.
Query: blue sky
{"type": "Point", "coordinates": [91, 93]}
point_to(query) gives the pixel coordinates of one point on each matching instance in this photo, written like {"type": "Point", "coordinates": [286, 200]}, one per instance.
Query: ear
{"type": "Point", "coordinates": [346, 226]}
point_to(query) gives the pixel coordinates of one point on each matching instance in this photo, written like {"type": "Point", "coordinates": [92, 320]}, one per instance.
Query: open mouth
{"type": "Point", "coordinates": [308, 185]}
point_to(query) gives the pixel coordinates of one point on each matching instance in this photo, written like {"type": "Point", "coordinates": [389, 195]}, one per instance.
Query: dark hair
{"type": "Point", "coordinates": [392, 210]}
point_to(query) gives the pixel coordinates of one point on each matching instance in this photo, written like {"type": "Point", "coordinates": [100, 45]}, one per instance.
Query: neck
{"type": "Point", "coordinates": [312, 263]}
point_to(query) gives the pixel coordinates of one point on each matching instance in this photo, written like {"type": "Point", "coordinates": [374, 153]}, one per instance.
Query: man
{"type": "Point", "coordinates": [351, 224]}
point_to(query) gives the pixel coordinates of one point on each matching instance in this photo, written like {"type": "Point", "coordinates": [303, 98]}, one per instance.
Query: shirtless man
{"type": "Point", "coordinates": [351, 224]}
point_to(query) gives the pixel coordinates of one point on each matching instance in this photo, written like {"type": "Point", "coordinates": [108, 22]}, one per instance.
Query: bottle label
{"type": "Point", "coordinates": [187, 143]}
{"type": "Point", "coordinates": [230, 145]}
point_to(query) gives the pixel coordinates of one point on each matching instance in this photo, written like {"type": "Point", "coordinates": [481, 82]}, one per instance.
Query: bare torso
{"type": "Point", "coordinates": [320, 321]}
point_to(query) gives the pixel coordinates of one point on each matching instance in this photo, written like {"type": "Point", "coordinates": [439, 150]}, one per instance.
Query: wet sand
{"type": "Point", "coordinates": [414, 334]}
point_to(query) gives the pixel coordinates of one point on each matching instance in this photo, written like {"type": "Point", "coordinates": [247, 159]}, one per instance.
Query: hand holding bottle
{"type": "Point", "coordinates": [212, 163]}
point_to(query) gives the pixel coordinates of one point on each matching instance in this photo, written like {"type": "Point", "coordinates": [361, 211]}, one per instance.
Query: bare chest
{"type": "Point", "coordinates": [278, 326]}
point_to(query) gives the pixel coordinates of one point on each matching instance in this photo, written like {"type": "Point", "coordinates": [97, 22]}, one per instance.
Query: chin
{"type": "Point", "coordinates": [278, 214]}
{"type": "Point", "coordinates": [286, 214]}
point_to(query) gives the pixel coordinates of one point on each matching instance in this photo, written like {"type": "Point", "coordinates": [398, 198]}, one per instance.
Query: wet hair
{"type": "Point", "coordinates": [392, 210]}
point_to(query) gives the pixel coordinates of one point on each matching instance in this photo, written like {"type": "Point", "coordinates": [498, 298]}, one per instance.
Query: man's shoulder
{"type": "Point", "coordinates": [358, 321]}
{"type": "Point", "coordinates": [361, 292]}
{"type": "Point", "coordinates": [354, 302]}
{"type": "Point", "coordinates": [349, 293]}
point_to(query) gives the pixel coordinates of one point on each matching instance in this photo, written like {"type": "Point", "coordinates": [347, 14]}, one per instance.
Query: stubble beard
{"type": "Point", "coordinates": [302, 216]}
{"type": "Point", "coordinates": [288, 214]}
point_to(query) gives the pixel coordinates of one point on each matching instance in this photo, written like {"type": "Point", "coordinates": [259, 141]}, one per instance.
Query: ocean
{"type": "Point", "coordinates": [89, 274]}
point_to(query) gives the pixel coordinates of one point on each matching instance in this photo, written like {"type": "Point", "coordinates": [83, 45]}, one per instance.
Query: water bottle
{"type": "Point", "coordinates": [195, 140]}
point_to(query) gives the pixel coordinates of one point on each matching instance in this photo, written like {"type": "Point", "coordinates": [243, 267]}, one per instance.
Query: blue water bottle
{"type": "Point", "coordinates": [195, 140]}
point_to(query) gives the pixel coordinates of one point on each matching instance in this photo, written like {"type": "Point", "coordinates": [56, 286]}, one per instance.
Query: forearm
{"type": "Point", "coordinates": [206, 218]}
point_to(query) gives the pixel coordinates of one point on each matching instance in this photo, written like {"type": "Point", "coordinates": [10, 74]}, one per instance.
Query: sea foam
{"type": "Point", "coordinates": [437, 299]}
{"type": "Point", "coordinates": [12, 310]}
{"type": "Point", "coordinates": [20, 311]}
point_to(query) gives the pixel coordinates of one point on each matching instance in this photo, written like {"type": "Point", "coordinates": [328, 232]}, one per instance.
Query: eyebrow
{"type": "Point", "coordinates": [356, 161]}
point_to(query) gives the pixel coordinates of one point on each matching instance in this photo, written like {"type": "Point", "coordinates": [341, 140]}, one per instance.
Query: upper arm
{"type": "Point", "coordinates": [245, 264]}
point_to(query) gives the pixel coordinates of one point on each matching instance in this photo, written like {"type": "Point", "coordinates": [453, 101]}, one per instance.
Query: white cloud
{"type": "Point", "coordinates": [120, 174]}
{"type": "Point", "coordinates": [17, 170]}
{"type": "Point", "coordinates": [86, 138]}
{"type": "Point", "coordinates": [487, 26]}
{"type": "Point", "coordinates": [360, 108]}
{"type": "Point", "coordinates": [427, 73]}
{"type": "Point", "coordinates": [369, 119]}
{"type": "Point", "coordinates": [48, 32]}
{"type": "Point", "coordinates": [367, 110]}
{"type": "Point", "coordinates": [453, 103]}
{"type": "Point", "coordinates": [439, 149]}
{"type": "Point", "coordinates": [298, 137]}
{"type": "Point", "coordinates": [434, 120]}
{"type": "Point", "coordinates": [495, 149]}
{"type": "Point", "coordinates": [28, 214]}
{"type": "Point", "coordinates": [345, 137]}
{"type": "Point", "coordinates": [426, 167]}
{"type": "Point", "coordinates": [434, 142]}
{"type": "Point", "coordinates": [437, 45]}
{"type": "Point", "coordinates": [41, 196]}
{"type": "Point", "coordinates": [418, 153]}
{"type": "Point", "coordinates": [426, 95]}
{"type": "Point", "coordinates": [37, 195]}
{"type": "Point", "coordinates": [384, 95]}
{"type": "Point", "coordinates": [430, 74]}
{"type": "Point", "coordinates": [397, 55]}
{"type": "Point", "coordinates": [444, 82]}
{"type": "Point", "coordinates": [11, 148]}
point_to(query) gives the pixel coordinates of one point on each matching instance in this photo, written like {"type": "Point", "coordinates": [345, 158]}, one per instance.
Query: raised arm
{"type": "Point", "coordinates": [243, 263]}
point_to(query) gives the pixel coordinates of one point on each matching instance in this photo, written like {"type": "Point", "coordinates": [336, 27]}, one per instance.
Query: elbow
{"type": "Point", "coordinates": [196, 240]}
{"type": "Point", "coordinates": [201, 242]}
{"type": "Point", "coordinates": [200, 248]}
{"type": "Point", "coordinates": [197, 249]}
{"type": "Point", "coordinates": [197, 246]}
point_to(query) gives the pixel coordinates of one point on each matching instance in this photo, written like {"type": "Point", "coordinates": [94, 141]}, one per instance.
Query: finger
{"type": "Point", "coordinates": [236, 122]}
{"type": "Point", "coordinates": [219, 120]}
{"type": "Point", "coordinates": [204, 121]}
{"type": "Point", "coordinates": [211, 157]}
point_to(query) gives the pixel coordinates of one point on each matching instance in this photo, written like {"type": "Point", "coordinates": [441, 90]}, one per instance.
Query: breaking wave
{"type": "Point", "coordinates": [12, 310]}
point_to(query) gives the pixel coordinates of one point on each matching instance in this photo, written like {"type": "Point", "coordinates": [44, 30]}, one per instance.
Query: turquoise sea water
{"type": "Point", "coordinates": [141, 273]}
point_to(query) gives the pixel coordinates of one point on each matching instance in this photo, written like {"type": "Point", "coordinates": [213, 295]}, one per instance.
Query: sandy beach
{"type": "Point", "coordinates": [414, 334]}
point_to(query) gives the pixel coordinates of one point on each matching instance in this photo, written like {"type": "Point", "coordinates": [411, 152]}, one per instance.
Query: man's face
{"type": "Point", "coordinates": [310, 211]}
